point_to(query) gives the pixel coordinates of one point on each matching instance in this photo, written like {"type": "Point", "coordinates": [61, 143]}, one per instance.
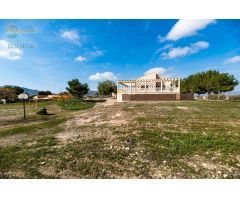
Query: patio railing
{"type": "Point", "coordinates": [148, 90]}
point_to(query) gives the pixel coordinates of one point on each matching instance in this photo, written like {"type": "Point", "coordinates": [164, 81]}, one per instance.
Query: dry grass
{"type": "Point", "coordinates": [127, 140]}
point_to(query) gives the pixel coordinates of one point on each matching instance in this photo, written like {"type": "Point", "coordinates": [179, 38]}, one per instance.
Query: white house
{"type": "Point", "coordinates": [151, 87]}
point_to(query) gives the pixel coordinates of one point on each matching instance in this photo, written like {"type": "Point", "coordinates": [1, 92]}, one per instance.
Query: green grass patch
{"type": "Point", "coordinates": [170, 145]}
{"type": "Point", "coordinates": [75, 104]}
{"type": "Point", "coordinates": [92, 159]}
{"type": "Point", "coordinates": [26, 159]}
{"type": "Point", "coordinates": [51, 125]}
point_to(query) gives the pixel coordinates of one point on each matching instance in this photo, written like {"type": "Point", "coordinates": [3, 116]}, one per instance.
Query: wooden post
{"type": "Point", "coordinates": [23, 97]}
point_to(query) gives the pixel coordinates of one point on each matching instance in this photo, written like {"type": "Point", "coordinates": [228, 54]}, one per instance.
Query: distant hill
{"type": "Point", "coordinates": [91, 92]}
{"type": "Point", "coordinates": [30, 92]}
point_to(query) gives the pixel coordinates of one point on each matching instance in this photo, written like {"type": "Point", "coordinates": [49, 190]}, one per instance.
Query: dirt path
{"type": "Point", "coordinates": [95, 122]}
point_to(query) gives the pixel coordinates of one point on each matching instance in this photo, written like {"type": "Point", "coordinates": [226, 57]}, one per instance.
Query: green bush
{"type": "Point", "coordinates": [213, 97]}
{"type": "Point", "coordinates": [217, 96]}
{"type": "Point", "coordinates": [42, 111]}
{"type": "Point", "coordinates": [222, 97]}
{"type": "Point", "coordinates": [75, 104]}
{"type": "Point", "coordinates": [234, 98]}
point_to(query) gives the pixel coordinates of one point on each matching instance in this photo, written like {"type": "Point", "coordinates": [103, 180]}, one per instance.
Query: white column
{"type": "Point", "coordinates": [161, 86]}
{"type": "Point", "coordinates": [179, 84]}
{"type": "Point", "coordinates": [145, 85]}
{"type": "Point", "coordinates": [131, 87]}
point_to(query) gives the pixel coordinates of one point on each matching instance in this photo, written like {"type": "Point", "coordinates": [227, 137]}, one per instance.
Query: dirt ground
{"type": "Point", "coordinates": [124, 140]}
{"type": "Point", "coordinates": [103, 114]}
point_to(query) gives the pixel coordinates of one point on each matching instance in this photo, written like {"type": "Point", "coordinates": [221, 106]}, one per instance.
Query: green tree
{"type": "Point", "coordinates": [7, 93]}
{"type": "Point", "coordinates": [106, 88]}
{"type": "Point", "coordinates": [211, 81]}
{"type": "Point", "coordinates": [193, 84]}
{"type": "Point", "coordinates": [44, 93]}
{"type": "Point", "coordinates": [16, 89]}
{"type": "Point", "coordinates": [216, 82]}
{"type": "Point", "coordinates": [77, 89]}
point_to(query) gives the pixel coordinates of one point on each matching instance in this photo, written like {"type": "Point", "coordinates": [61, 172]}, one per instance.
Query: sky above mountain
{"type": "Point", "coordinates": [45, 54]}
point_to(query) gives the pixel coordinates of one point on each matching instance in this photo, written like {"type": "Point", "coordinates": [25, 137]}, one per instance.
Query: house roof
{"type": "Point", "coordinates": [152, 75]}
{"type": "Point", "coordinates": [40, 96]}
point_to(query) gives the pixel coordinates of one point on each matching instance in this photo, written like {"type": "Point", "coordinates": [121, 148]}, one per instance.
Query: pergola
{"type": "Point", "coordinates": [161, 85]}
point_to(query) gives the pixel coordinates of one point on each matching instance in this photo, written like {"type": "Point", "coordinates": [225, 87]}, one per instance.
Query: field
{"type": "Point", "coordinates": [198, 139]}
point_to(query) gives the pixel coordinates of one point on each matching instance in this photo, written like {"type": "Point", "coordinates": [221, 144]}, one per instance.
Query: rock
{"type": "Point", "coordinates": [129, 142]}
{"type": "Point", "coordinates": [42, 163]}
{"type": "Point", "coordinates": [225, 175]}
{"type": "Point", "coordinates": [118, 115]}
{"type": "Point", "coordinates": [204, 165]}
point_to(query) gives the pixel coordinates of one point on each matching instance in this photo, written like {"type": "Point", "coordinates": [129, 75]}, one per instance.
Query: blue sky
{"type": "Point", "coordinates": [45, 54]}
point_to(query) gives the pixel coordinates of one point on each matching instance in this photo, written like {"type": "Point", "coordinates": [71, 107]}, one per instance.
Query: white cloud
{"type": "Point", "coordinates": [168, 72]}
{"type": "Point", "coordinates": [96, 53]}
{"type": "Point", "coordinates": [184, 51]}
{"type": "Point", "coordinates": [185, 28]}
{"type": "Point", "coordinates": [89, 55]}
{"type": "Point", "coordinates": [9, 53]}
{"type": "Point", "coordinates": [103, 76]}
{"type": "Point", "coordinates": [232, 60]}
{"type": "Point", "coordinates": [80, 58]}
{"type": "Point", "coordinates": [158, 70]}
{"type": "Point", "coordinates": [201, 45]}
{"type": "Point", "coordinates": [71, 36]}
{"type": "Point", "coordinates": [165, 47]}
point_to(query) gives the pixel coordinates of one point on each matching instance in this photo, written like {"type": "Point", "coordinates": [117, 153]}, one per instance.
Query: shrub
{"type": "Point", "coordinates": [217, 96]}
{"type": "Point", "coordinates": [42, 111]}
{"type": "Point", "coordinates": [234, 98]}
{"type": "Point", "coordinates": [222, 97]}
{"type": "Point", "coordinates": [213, 96]}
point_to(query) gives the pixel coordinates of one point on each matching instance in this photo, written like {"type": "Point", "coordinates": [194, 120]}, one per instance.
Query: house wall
{"type": "Point", "coordinates": [148, 97]}
{"type": "Point", "coordinates": [186, 96]}
{"type": "Point", "coordinates": [155, 97]}
{"type": "Point", "coordinates": [119, 97]}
